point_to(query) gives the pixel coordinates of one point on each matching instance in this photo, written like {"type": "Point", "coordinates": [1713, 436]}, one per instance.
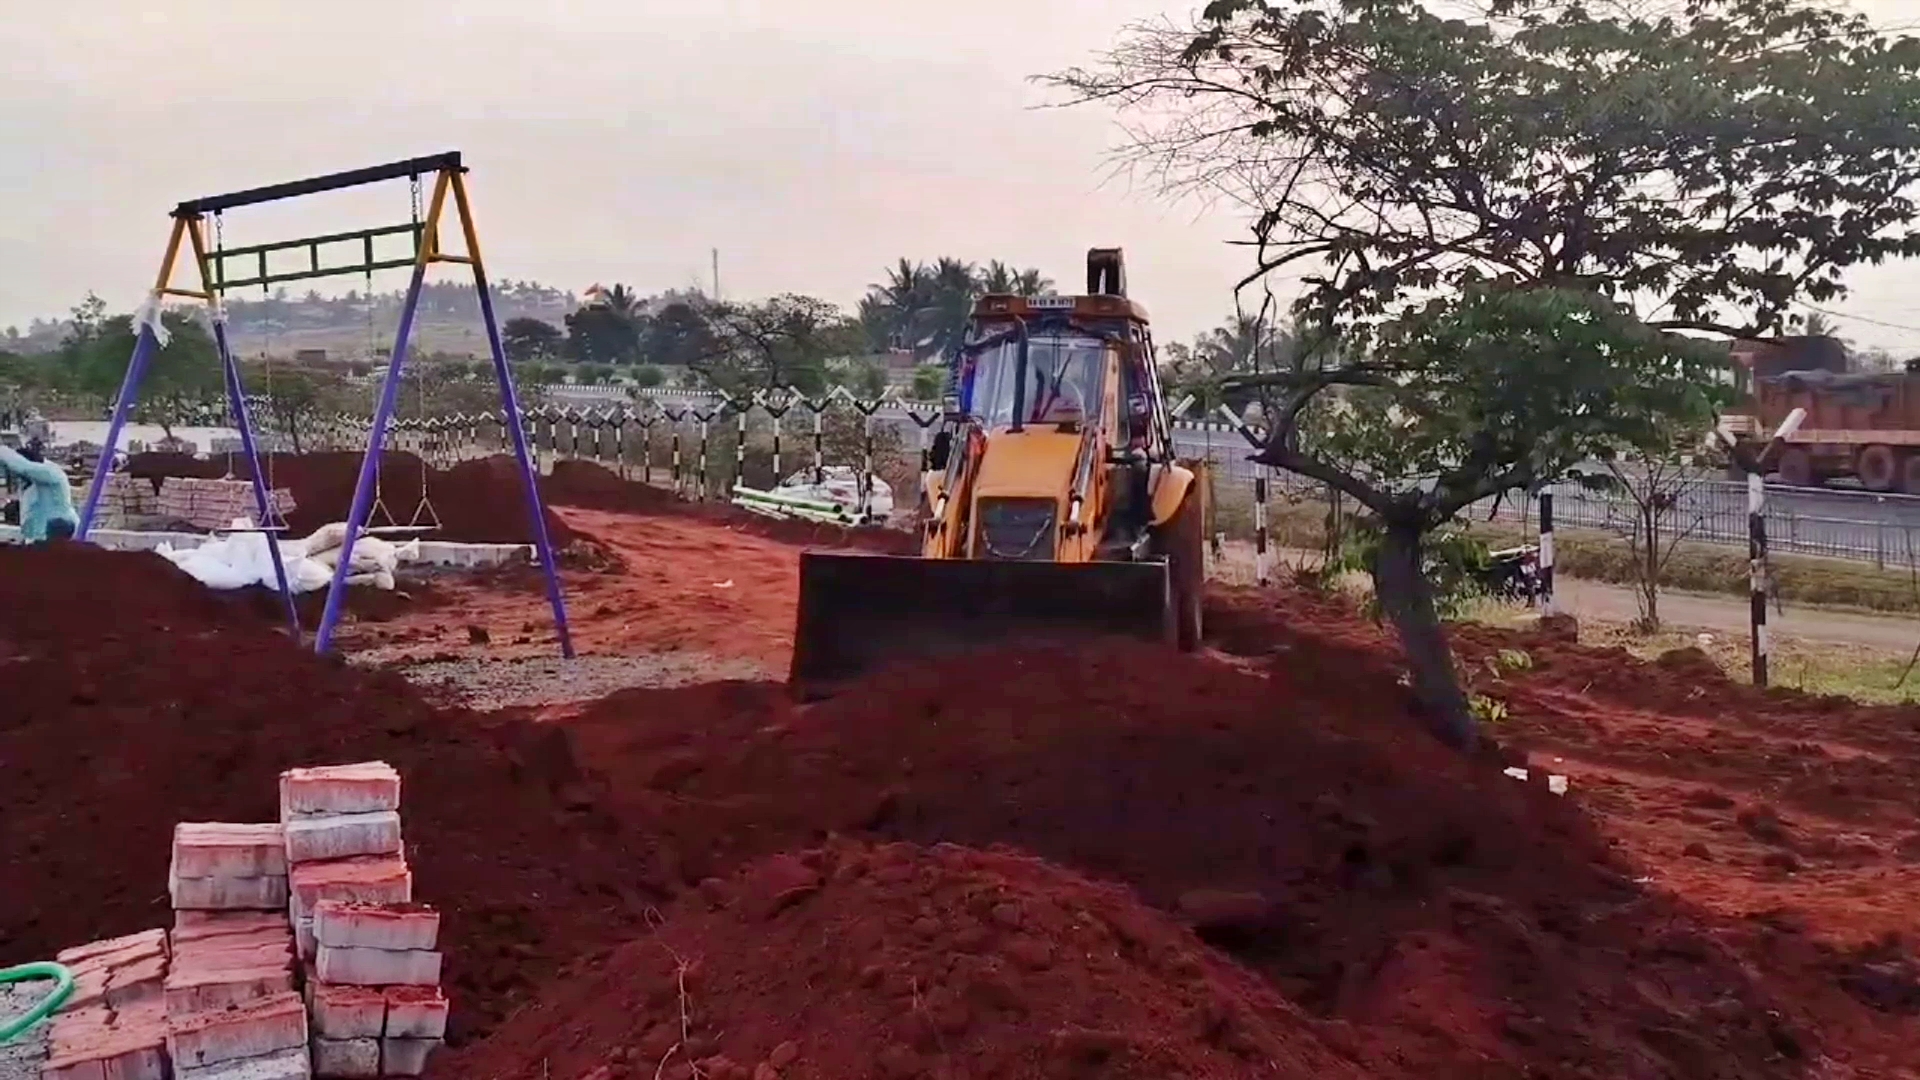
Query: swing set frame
{"type": "Point", "coordinates": [189, 229]}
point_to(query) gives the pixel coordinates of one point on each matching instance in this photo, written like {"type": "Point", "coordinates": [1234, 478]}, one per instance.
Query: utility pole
{"type": "Point", "coordinates": [716, 275]}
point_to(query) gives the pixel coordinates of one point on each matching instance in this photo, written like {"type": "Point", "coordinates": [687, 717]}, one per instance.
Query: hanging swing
{"type": "Point", "coordinates": [276, 521]}
{"type": "Point", "coordinates": [380, 520]}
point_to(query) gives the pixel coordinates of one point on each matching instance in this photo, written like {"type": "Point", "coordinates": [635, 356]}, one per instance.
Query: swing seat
{"type": "Point", "coordinates": [398, 530]}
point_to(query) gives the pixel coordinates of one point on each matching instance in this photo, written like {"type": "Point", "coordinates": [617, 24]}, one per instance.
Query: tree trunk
{"type": "Point", "coordinates": [1407, 599]}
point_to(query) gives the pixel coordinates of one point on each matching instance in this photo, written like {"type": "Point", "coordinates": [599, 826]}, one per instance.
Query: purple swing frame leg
{"type": "Point", "coordinates": [144, 348]}
{"type": "Point", "coordinates": [383, 414]}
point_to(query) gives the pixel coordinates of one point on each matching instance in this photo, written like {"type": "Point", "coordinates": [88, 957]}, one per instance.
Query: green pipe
{"type": "Point", "coordinates": [62, 990]}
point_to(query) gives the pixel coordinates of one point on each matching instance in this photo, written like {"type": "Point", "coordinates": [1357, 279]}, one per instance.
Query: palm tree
{"type": "Point", "coordinates": [1031, 282]}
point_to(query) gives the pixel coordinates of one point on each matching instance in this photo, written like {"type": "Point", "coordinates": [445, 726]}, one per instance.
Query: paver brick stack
{"type": "Point", "coordinates": [212, 504]}
{"type": "Point", "coordinates": [373, 975]}
{"type": "Point", "coordinates": [323, 892]}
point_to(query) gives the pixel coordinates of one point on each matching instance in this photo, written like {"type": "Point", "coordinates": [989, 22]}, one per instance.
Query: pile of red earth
{"type": "Point", "coordinates": [596, 487]}
{"type": "Point", "coordinates": [1462, 923]}
{"type": "Point", "coordinates": [854, 961]}
{"type": "Point", "coordinates": [481, 501]}
{"type": "Point", "coordinates": [130, 698]}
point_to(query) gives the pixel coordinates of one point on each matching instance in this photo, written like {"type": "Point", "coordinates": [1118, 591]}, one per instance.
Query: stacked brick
{"type": "Point", "coordinates": [373, 980]}
{"type": "Point", "coordinates": [232, 1010]}
{"type": "Point", "coordinates": [127, 501]}
{"type": "Point", "coordinates": [325, 890]}
{"type": "Point", "coordinates": [115, 1024]}
{"type": "Point", "coordinates": [213, 504]}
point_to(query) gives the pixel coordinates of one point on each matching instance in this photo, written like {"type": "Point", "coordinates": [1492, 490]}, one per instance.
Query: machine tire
{"type": "Point", "coordinates": [1182, 541]}
{"type": "Point", "coordinates": [1878, 468]}
{"type": "Point", "coordinates": [1796, 467]}
{"type": "Point", "coordinates": [1910, 474]}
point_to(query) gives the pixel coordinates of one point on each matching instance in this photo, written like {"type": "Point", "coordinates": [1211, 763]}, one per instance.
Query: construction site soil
{"type": "Point", "coordinates": [1255, 862]}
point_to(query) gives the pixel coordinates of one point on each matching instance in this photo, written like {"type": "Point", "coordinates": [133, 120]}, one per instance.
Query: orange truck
{"type": "Point", "coordinates": [1864, 425]}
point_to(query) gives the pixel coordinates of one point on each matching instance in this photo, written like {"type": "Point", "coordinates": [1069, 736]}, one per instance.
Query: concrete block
{"type": "Point", "coordinates": [142, 943]}
{"type": "Point", "coordinates": [378, 967]}
{"type": "Point", "coordinates": [405, 1057]}
{"type": "Point", "coordinates": [416, 1012]}
{"type": "Point", "coordinates": [272, 945]}
{"type": "Point", "coordinates": [96, 1045]}
{"type": "Point", "coordinates": [282, 1065]}
{"type": "Point", "coordinates": [374, 879]}
{"type": "Point", "coordinates": [263, 1027]}
{"type": "Point", "coordinates": [376, 926]}
{"type": "Point", "coordinates": [342, 836]}
{"type": "Point", "coordinates": [196, 925]}
{"type": "Point", "coordinates": [346, 1057]}
{"type": "Point", "coordinates": [348, 1012]}
{"type": "Point", "coordinates": [305, 944]}
{"type": "Point", "coordinates": [89, 987]}
{"type": "Point", "coordinates": [194, 991]}
{"type": "Point", "coordinates": [227, 894]}
{"type": "Point", "coordinates": [142, 980]}
{"type": "Point", "coordinates": [213, 849]}
{"type": "Point", "coordinates": [363, 788]}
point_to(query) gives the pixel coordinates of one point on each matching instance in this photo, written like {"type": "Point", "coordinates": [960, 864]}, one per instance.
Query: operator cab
{"type": "Point", "coordinates": [1086, 364]}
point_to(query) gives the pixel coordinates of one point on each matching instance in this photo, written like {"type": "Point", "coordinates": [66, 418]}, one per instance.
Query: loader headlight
{"type": "Point", "coordinates": [1016, 528]}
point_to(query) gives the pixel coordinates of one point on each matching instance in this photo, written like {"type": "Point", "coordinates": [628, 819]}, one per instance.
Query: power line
{"type": "Point", "coordinates": [1858, 318]}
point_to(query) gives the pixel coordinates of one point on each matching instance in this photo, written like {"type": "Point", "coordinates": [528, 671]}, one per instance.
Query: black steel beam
{"type": "Point", "coordinates": [310, 241]}
{"type": "Point", "coordinates": [313, 185]}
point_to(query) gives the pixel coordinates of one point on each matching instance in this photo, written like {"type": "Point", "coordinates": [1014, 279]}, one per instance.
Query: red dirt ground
{"type": "Point", "coordinates": [902, 961]}
{"type": "Point", "coordinates": [131, 697]}
{"type": "Point", "coordinates": [664, 584]}
{"type": "Point", "coordinates": [1431, 916]}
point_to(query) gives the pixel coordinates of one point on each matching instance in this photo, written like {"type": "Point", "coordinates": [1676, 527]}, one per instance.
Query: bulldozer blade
{"type": "Point", "coordinates": [859, 612]}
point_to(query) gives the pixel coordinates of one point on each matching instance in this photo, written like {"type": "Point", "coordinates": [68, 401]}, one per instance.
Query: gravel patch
{"type": "Point", "coordinates": [502, 683]}
{"type": "Point", "coordinates": [21, 1058]}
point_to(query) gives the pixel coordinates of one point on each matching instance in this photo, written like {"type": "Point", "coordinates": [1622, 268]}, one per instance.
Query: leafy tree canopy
{"type": "Point", "coordinates": [1707, 164]}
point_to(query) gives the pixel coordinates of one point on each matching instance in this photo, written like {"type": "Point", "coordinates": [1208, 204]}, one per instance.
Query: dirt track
{"type": "Point", "coordinates": [1716, 897]}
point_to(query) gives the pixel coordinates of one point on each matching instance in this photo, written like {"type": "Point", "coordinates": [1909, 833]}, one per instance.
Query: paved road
{"type": "Point", "coordinates": [1728, 615]}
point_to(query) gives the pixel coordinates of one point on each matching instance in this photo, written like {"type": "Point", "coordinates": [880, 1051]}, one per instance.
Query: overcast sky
{"type": "Point", "coordinates": [812, 141]}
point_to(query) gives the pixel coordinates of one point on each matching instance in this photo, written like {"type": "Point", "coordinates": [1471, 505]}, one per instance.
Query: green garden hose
{"type": "Point", "coordinates": [62, 990]}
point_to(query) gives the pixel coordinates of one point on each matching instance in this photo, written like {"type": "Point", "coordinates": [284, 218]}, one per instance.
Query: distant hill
{"type": "Point", "coordinates": [355, 325]}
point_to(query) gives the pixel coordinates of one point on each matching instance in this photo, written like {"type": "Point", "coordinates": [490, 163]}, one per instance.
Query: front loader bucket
{"type": "Point", "coordinates": [859, 612]}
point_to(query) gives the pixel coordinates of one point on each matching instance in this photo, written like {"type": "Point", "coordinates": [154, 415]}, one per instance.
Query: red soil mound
{"type": "Point", "coordinates": [1468, 921]}
{"type": "Point", "coordinates": [476, 501]}
{"type": "Point", "coordinates": [595, 487]}
{"type": "Point", "coordinates": [854, 962]}
{"type": "Point", "coordinates": [131, 698]}
{"type": "Point", "coordinates": [1789, 815]}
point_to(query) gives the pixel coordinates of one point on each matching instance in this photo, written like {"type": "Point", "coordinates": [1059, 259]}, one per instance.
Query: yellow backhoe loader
{"type": "Point", "coordinates": [1054, 508]}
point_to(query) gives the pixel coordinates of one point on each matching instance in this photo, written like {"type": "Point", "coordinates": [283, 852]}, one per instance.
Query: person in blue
{"type": "Point", "coordinates": [46, 505]}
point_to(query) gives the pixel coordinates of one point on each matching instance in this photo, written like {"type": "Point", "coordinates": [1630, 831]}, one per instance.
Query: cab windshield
{"type": "Point", "coordinates": [1062, 385]}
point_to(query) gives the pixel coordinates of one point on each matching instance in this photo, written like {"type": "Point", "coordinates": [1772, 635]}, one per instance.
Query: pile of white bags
{"type": "Point", "coordinates": [240, 559]}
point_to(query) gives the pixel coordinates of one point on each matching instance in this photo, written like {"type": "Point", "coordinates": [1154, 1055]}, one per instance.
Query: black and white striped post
{"type": "Point", "coordinates": [1262, 476]}
{"type": "Point", "coordinates": [675, 416]}
{"type": "Point", "coordinates": [1757, 574]}
{"type": "Point", "coordinates": [1546, 553]}
{"type": "Point", "coordinates": [925, 422]}
{"type": "Point", "coordinates": [819, 411]}
{"type": "Point", "coordinates": [740, 447]}
{"type": "Point", "coordinates": [866, 410]}
{"type": "Point", "coordinates": [1756, 466]}
{"type": "Point", "coordinates": [705, 419]}
{"type": "Point", "coordinates": [777, 406]}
